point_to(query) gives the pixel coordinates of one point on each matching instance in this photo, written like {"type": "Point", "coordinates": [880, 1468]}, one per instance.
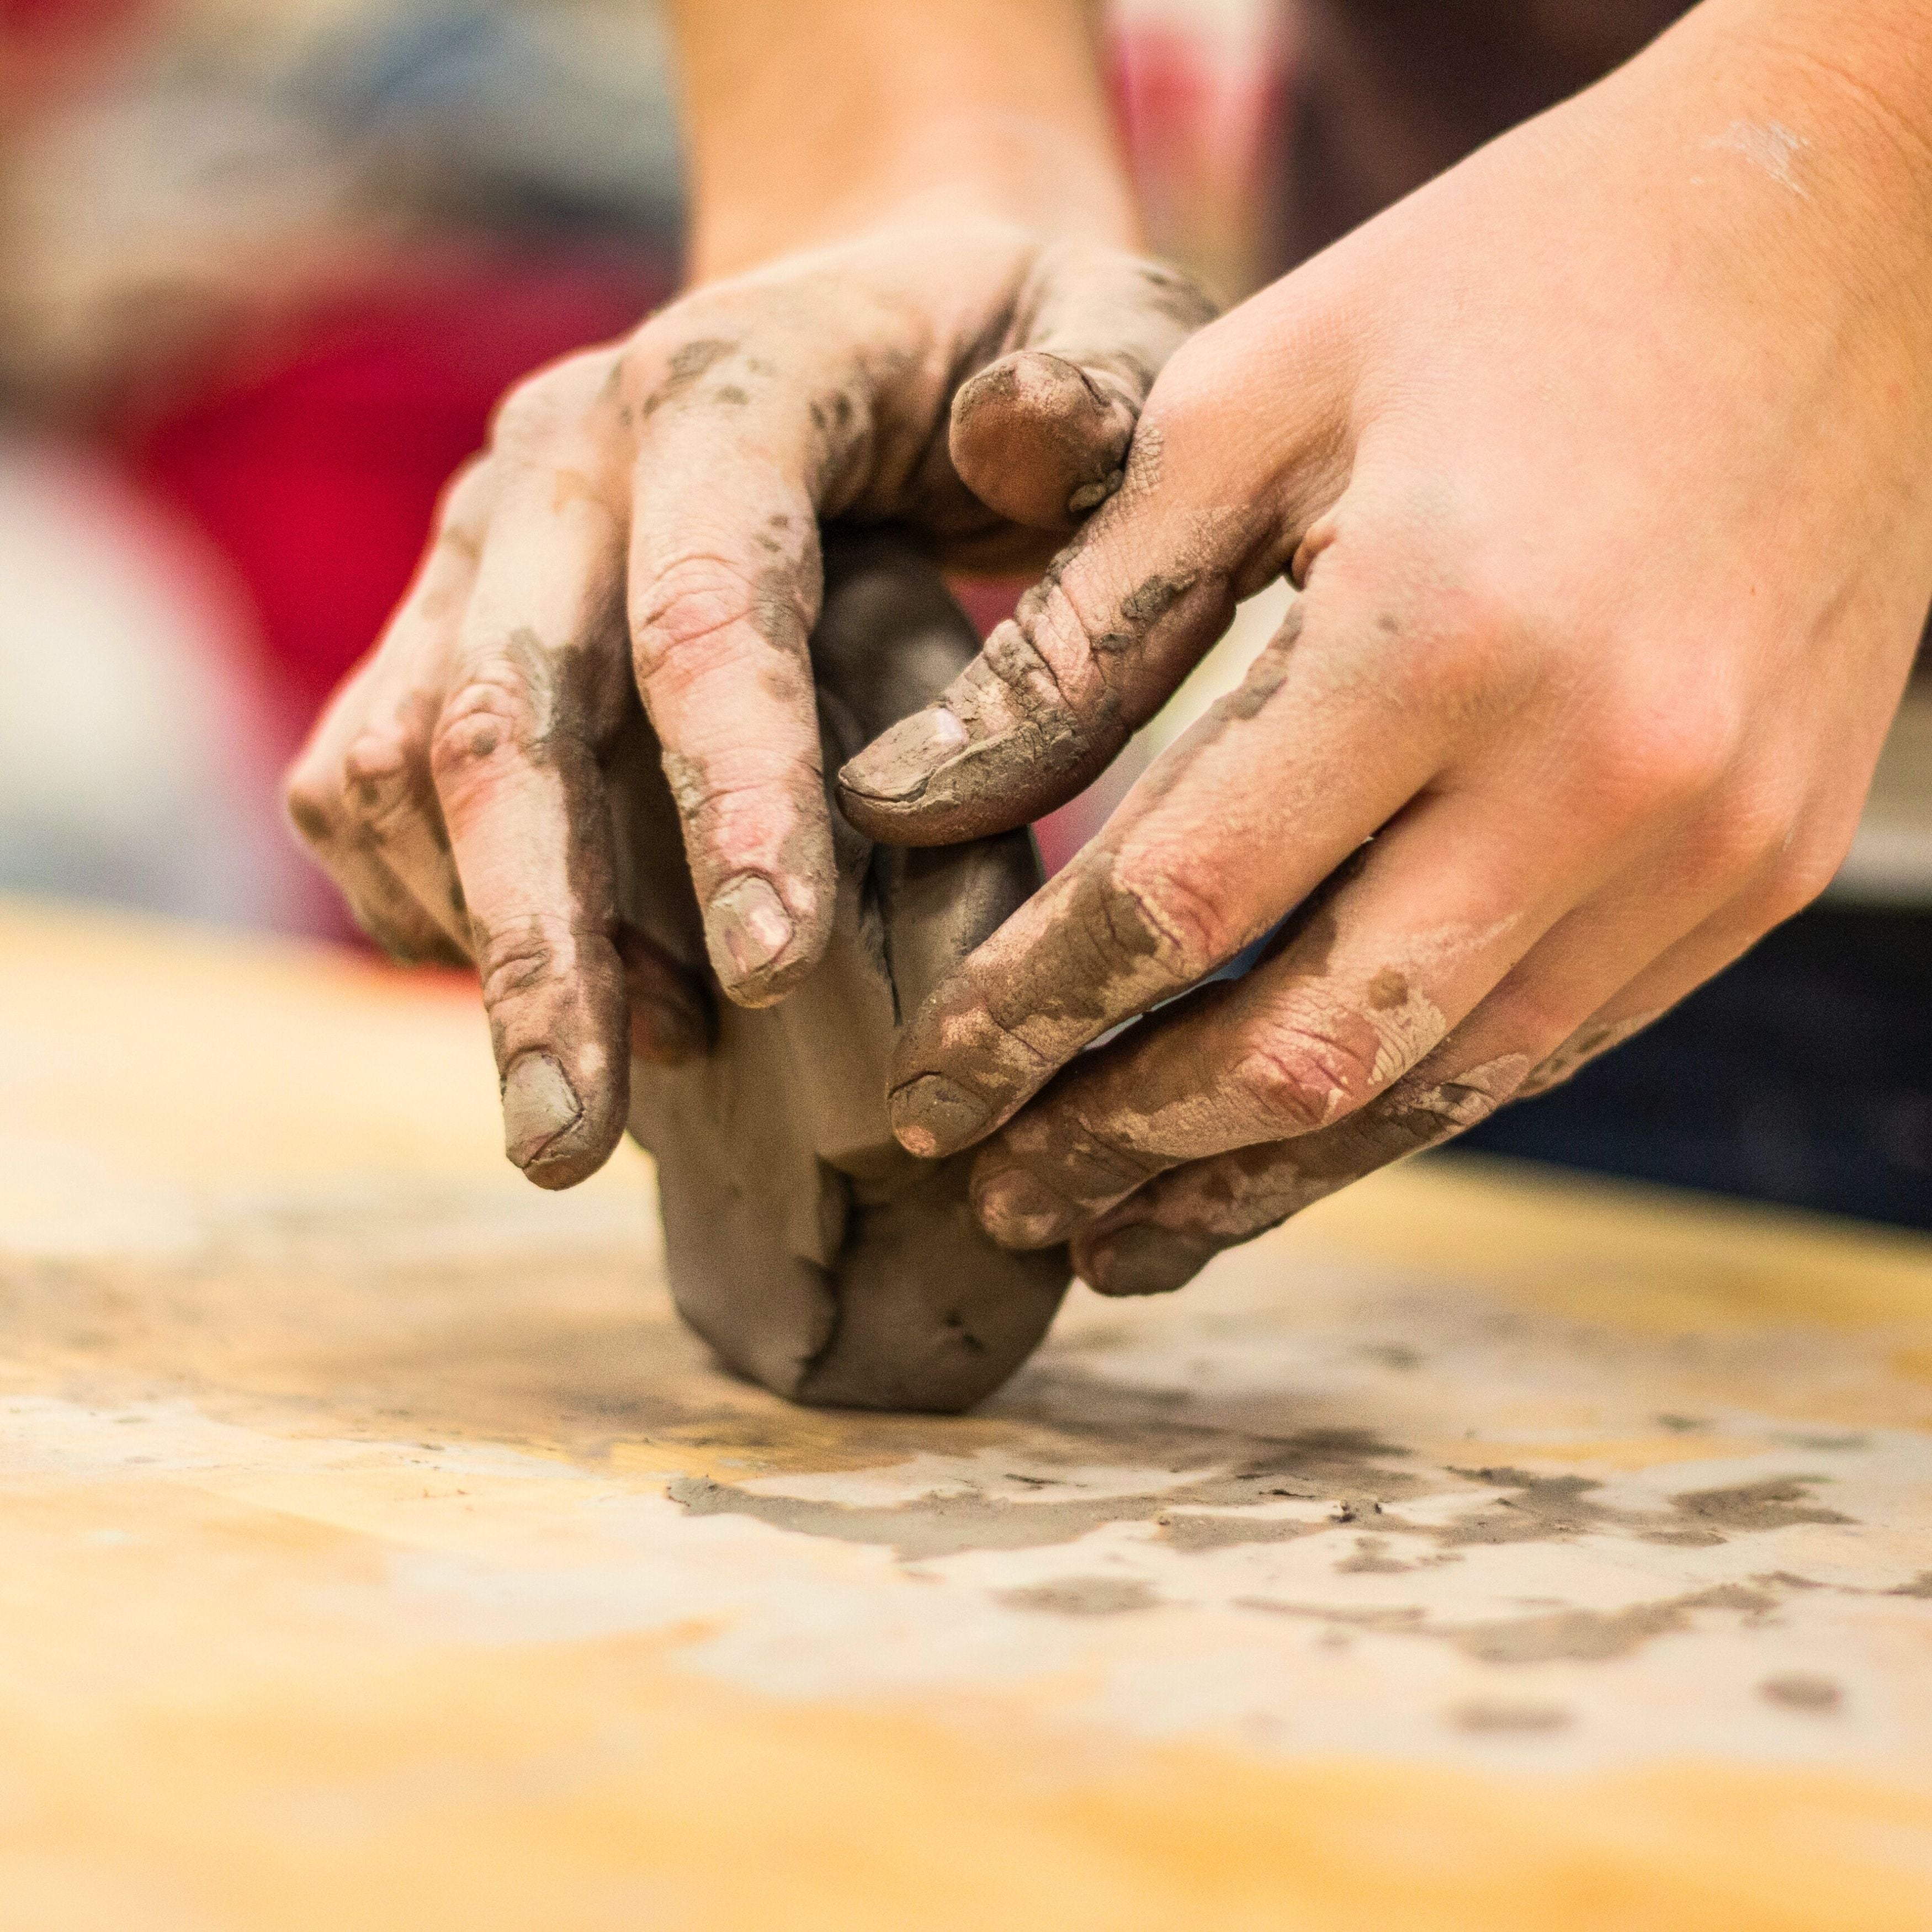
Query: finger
{"type": "Point", "coordinates": [1055, 692]}
{"type": "Point", "coordinates": [1161, 1237]}
{"type": "Point", "coordinates": [1041, 435]}
{"type": "Point", "coordinates": [725, 586]}
{"type": "Point", "coordinates": [317, 798]}
{"type": "Point", "coordinates": [1212, 502]}
{"type": "Point", "coordinates": [1592, 982]}
{"type": "Point", "coordinates": [361, 792]}
{"type": "Point", "coordinates": [1439, 914]}
{"type": "Point", "coordinates": [538, 687]}
{"type": "Point", "coordinates": [1243, 817]}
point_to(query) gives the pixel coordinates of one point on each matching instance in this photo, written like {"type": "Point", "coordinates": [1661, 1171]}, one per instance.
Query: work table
{"type": "Point", "coordinates": [1485, 1550]}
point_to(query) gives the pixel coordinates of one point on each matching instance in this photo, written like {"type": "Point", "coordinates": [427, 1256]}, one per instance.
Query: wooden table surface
{"type": "Point", "coordinates": [377, 1551]}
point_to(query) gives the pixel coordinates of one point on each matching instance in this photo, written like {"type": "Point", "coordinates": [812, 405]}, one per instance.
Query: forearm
{"type": "Point", "coordinates": [807, 120]}
{"type": "Point", "coordinates": [1878, 53]}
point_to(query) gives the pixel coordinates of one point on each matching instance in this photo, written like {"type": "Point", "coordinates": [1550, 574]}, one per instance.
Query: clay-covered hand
{"type": "Point", "coordinates": [813, 1252]}
{"type": "Point", "coordinates": [1604, 464]}
{"type": "Point", "coordinates": [646, 521]}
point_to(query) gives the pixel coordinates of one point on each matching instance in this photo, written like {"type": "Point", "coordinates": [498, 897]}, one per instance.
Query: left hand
{"type": "Point", "coordinates": [1605, 464]}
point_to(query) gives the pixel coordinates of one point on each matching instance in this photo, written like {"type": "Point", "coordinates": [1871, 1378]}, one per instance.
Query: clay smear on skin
{"type": "Point", "coordinates": [1768, 146]}
{"type": "Point", "coordinates": [556, 1012]}
{"type": "Point", "coordinates": [1071, 1153]}
{"type": "Point", "coordinates": [1088, 954]}
{"type": "Point", "coordinates": [1211, 1205]}
{"type": "Point", "coordinates": [763, 876]}
{"type": "Point", "coordinates": [1041, 710]}
{"type": "Point", "coordinates": [1403, 1023]}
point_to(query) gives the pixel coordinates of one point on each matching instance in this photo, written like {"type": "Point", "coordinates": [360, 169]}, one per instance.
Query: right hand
{"type": "Point", "coordinates": [645, 523]}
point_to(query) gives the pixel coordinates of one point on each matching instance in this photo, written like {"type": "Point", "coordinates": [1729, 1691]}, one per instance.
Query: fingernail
{"type": "Point", "coordinates": [930, 1116]}
{"type": "Point", "coordinates": [898, 764]}
{"type": "Point", "coordinates": [539, 1106]}
{"type": "Point", "coordinates": [1144, 1259]}
{"type": "Point", "coordinates": [1019, 1211]}
{"type": "Point", "coordinates": [748, 921]}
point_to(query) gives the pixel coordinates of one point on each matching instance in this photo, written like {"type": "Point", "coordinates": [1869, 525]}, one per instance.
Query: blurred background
{"type": "Point", "coordinates": [266, 265]}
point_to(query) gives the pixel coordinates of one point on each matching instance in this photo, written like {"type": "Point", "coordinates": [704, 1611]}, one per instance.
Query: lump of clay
{"type": "Point", "coordinates": [802, 1243]}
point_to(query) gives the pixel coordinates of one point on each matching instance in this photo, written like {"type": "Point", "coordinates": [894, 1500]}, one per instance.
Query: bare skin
{"type": "Point", "coordinates": [889, 327]}
{"type": "Point", "coordinates": [1604, 465]}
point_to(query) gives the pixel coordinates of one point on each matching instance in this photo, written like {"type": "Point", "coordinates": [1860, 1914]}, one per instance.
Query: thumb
{"type": "Point", "coordinates": [1245, 447]}
{"type": "Point", "coordinates": [1040, 436]}
{"type": "Point", "coordinates": [1090, 654]}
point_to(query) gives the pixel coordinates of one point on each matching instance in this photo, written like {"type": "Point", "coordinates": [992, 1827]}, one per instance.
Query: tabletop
{"type": "Point", "coordinates": [1484, 1549]}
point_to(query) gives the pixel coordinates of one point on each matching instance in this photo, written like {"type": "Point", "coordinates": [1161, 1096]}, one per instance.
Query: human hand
{"type": "Point", "coordinates": [1604, 465]}
{"type": "Point", "coordinates": [646, 521]}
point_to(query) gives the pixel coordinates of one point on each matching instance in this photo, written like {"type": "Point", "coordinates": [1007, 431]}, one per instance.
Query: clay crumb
{"type": "Point", "coordinates": [1799, 1691]}
{"type": "Point", "coordinates": [1486, 1716]}
{"type": "Point", "coordinates": [1082, 1597]}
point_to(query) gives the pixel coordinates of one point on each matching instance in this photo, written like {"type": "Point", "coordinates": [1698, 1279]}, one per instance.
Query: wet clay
{"type": "Point", "coordinates": [814, 1253]}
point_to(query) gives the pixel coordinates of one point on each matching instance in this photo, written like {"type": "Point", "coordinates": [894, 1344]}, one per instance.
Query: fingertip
{"type": "Point", "coordinates": [1040, 440]}
{"type": "Point", "coordinates": [548, 1131]}
{"type": "Point", "coordinates": [928, 780]}
{"type": "Point", "coordinates": [898, 766]}
{"type": "Point", "coordinates": [760, 947]}
{"type": "Point", "coordinates": [932, 1116]}
{"type": "Point", "coordinates": [905, 788]}
{"type": "Point", "coordinates": [1140, 1259]}
{"type": "Point", "coordinates": [1018, 1209]}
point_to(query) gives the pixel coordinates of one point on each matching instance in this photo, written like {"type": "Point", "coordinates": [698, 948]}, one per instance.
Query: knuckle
{"type": "Point", "coordinates": [1484, 655]}
{"type": "Point", "coordinates": [468, 497]}
{"type": "Point", "coordinates": [1087, 1149]}
{"type": "Point", "coordinates": [1737, 841]}
{"type": "Point", "coordinates": [310, 800]}
{"type": "Point", "coordinates": [526, 416]}
{"type": "Point", "coordinates": [557, 394]}
{"type": "Point", "coordinates": [523, 954]}
{"type": "Point", "coordinates": [553, 401]}
{"type": "Point", "coordinates": [488, 714]}
{"type": "Point", "coordinates": [379, 776]}
{"type": "Point", "coordinates": [685, 602]}
{"type": "Point", "coordinates": [1448, 630]}
{"type": "Point", "coordinates": [1063, 705]}
{"type": "Point", "coordinates": [744, 812]}
{"type": "Point", "coordinates": [1659, 756]}
{"type": "Point", "coordinates": [1163, 909]}
{"type": "Point", "coordinates": [1431, 1105]}
{"type": "Point", "coordinates": [1296, 1079]}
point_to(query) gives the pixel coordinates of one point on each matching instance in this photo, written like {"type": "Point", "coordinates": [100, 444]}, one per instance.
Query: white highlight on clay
{"type": "Point", "coordinates": [1769, 146]}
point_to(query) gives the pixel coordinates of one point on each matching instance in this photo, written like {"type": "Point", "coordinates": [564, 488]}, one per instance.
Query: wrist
{"type": "Point", "coordinates": [1870, 64]}
{"type": "Point", "coordinates": [811, 121]}
{"type": "Point", "coordinates": [962, 167]}
{"type": "Point", "coordinates": [1799, 141]}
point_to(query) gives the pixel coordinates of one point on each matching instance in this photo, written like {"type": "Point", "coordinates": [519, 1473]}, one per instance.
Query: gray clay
{"type": "Point", "coordinates": [803, 1243]}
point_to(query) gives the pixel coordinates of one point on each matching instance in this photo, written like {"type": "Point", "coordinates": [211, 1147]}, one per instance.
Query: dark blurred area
{"type": "Point", "coordinates": [266, 264]}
